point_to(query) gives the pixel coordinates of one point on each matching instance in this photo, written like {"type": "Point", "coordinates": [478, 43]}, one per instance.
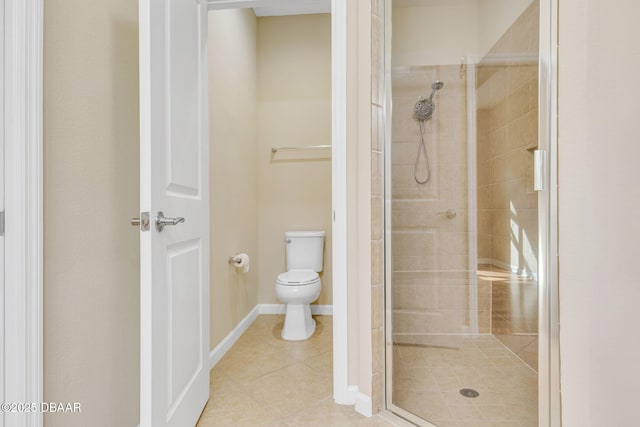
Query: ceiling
{"type": "Point", "coordinates": [428, 3]}
{"type": "Point", "coordinates": [298, 7]}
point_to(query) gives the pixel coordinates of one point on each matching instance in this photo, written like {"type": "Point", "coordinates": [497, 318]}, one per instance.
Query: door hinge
{"type": "Point", "coordinates": [1, 223]}
{"type": "Point", "coordinates": [539, 170]}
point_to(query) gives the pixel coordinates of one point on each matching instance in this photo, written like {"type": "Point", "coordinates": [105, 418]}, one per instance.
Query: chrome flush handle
{"type": "Point", "coordinates": [162, 221]}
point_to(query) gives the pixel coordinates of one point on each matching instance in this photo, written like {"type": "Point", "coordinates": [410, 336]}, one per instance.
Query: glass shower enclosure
{"type": "Point", "coordinates": [461, 213]}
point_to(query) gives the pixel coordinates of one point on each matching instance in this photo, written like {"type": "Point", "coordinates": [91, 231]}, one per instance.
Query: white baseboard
{"type": "Point", "coordinates": [322, 310]}
{"type": "Point", "coordinates": [271, 308]}
{"type": "Point", "coordinates": [364, 405]}
{"type": "Point", "coordinates": [362, 402]}
{"type": "Point", "coordinates": [227, 342]}
{"type": "Point", "coordinates": [350, 397]}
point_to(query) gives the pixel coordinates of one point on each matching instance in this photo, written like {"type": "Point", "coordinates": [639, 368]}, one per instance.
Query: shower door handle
{"type": "Point", "coordinates": [539, 170]}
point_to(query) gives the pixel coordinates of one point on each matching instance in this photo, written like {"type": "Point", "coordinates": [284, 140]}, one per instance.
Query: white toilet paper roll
{"type": "Point", "coordinates": [244, 262]}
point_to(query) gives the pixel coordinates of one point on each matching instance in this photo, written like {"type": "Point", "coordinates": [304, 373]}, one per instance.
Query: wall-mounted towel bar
{"type": "Point", "coordinates": [306, 147]}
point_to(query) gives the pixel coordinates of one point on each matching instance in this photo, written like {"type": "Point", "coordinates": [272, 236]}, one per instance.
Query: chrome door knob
{"type": "Point", "coordinates": [162, 221]}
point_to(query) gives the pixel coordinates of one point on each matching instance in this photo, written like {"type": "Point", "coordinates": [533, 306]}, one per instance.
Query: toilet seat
{"type": "Point", "coordinates": [298, 278]}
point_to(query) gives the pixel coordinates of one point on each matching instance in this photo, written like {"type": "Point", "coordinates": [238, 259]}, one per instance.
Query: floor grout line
{"type": "Point", "coordinates": [254, 407]}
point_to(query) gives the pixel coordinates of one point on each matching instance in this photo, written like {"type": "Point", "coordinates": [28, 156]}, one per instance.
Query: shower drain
{"type": "Point", "coordinates": [469, 392]}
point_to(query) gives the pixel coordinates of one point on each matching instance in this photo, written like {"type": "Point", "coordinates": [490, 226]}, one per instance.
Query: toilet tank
{"type": "Point", "coordinates": [304, 250]}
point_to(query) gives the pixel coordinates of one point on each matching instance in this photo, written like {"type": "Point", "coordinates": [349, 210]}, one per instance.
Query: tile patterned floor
{"type": "Point", "coordinates": [428, 380]}
{"type": "Point", "coordinates": [266, 381]}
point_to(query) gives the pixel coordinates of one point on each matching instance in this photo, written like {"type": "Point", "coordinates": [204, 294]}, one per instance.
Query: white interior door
{"type": "Point", "coordinates": [174, 179]}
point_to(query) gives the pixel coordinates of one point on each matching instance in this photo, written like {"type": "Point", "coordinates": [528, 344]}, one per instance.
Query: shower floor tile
{"type": "Point", "coordinates": [428, 380]}
{"type": "Point", "coordinates": [266, 381]}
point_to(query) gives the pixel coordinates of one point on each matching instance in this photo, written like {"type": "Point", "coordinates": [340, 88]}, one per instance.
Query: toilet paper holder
{"type": "Point", "coordinates": [240, 261]}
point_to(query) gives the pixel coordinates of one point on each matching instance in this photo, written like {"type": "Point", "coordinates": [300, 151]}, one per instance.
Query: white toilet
{"type": "Point", "coordinates": [300, 285]}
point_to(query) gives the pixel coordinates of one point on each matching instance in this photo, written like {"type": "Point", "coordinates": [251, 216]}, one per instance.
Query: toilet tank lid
{"type": "Point", "coordinates": [304, 234]}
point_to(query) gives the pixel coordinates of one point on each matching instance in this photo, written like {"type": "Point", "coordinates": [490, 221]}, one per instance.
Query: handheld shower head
{"type": "Point", "coordinates": [425, 106]}
{"type": "Point", "coordinates": [423, 111]}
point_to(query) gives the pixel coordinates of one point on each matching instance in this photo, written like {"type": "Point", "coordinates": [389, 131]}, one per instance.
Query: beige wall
{"type": "Point", "coordinates": [233, 166]}
{"type": "Point", "coordinates": [359, 195]}
{"type": "Point", "coordinates": [435, 34]}
{"type": "Point", "coordinates": [270, 85]}
{"type": "Point", "coordinates": [440, 32]}
{"type": "Point", "coordinates": [495, 17]}
{"type": "Point", "coordinates": [91, 253]}
{"type": "Point", "coordinates": [294, 109]}
{"type": "Point", "coordinates": [599, 201]}
{"type": "Point", "coordinates": [363, 79]}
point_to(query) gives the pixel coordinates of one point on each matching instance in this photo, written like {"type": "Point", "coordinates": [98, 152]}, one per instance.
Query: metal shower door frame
{"type": "Point", "coordinates": [549, 403]}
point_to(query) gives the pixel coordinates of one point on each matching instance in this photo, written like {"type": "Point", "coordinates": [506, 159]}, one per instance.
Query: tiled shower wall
{"type": "Point", "coordinates": [507, 123]}
{"type": "Point", "coordinates": [377, 203]}
{"type": "Point", "coordinates": [430, 249]}
{"type": "Point", "coordinates": [507, 90]}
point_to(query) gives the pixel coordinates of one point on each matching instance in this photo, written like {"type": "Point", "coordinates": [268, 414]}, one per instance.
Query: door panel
{"type": "Point", "coordinates": [182, 112]}
{"type": "Point", "coordinates": [184, 292]}
{"type": "Point", "coordinates": [174, 180]}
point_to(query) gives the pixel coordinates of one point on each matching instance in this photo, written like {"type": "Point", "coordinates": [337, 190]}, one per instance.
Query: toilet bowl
{"type": "Point", "coordinates": [300, 285]}
{"type": "Point", "coordinates": [298, 289]}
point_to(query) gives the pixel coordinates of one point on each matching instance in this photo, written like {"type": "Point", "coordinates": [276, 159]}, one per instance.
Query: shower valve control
{"type": "Point", "coordinates": [449, 213]}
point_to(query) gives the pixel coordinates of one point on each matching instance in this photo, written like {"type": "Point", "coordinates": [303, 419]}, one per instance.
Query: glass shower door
{"type": "Point", "coordinates": [462, 219]}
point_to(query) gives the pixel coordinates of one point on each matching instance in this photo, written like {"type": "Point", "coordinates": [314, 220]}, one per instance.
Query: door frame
{"type": "Point", "coordinates": [342, 392]}
{"type": "Point", "coordinates": [22, 308]}
{"type": "Point", "coordinates": [24, 146]}
{"type": "Point", "coordinates": [549, 385]}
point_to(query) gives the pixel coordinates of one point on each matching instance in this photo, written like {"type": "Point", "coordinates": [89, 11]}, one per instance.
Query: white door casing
{"type": "Point", "coordinates": [174, 179]}
{"type": "Point", "coordinates": [2, 374]}
{"type": "Point", "coordinates": [21, 311]}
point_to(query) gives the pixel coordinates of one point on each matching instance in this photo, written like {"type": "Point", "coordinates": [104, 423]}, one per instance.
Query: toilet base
{"type": "Point", "coordinates": [298, 323]}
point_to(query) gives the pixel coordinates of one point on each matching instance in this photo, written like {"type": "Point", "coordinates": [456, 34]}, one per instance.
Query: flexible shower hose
{"type": "Point", "coordinates": [422, 148]}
